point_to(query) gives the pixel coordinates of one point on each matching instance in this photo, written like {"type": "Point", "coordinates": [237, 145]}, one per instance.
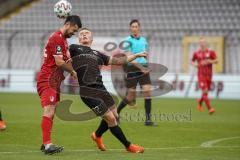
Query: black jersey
{"type": "Point", "coordinates": [86, 62]}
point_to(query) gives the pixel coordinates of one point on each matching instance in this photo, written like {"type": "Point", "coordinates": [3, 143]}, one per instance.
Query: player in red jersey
{"type": "Point", "coordinates": [2, 122]}
{"type": "Point", "coordinates": [56, 61]}
{"type": "Point", "coordinates": [203, 59]}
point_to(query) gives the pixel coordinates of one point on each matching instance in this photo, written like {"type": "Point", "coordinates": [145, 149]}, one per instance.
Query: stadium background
{"type": "Point", "coordinates": [172, 28]}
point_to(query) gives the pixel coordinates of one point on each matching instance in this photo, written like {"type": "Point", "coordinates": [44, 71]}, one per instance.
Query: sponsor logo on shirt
{"type": "Point", "coordinates": [208, 55]}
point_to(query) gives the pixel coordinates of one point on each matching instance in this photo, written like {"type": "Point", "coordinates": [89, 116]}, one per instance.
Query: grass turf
{"type": "Point", "coordinates": [180, 132]}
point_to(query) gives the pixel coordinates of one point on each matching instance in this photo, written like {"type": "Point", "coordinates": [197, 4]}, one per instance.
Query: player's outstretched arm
{"type": "Point", "coordinates": [212, 61]}
{"type": "Point", "coordinates": [125, 59]}
{"type": "Point", "coordinates": [195, 63]}
{"type": "Point", "coordinates": [66, 66]}
{"type": "Point", "coordinates": [209, 61]}
{"type": "Point", "coordinates": [137, 65]}
{"type": "Point", "coordinates": [130, 58]}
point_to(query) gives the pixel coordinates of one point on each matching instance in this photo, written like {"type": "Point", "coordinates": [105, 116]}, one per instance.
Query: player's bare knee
{"type": "Point", "coordinates": [49, 111]}
{"type": "Point", "coordinates": [111, 120]}
{"type": "Point", "coordinates": [147, 94]}
{"type": "Point", "coordinates": [115, 114]}
{"type": "Point", "coordinates": [113, 109]}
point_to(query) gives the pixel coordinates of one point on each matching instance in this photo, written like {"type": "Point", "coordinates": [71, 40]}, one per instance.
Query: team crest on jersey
{"type": "Point", "coordinates": [51, 98]}
{"type": "Point", "coordinates": [58, 50]}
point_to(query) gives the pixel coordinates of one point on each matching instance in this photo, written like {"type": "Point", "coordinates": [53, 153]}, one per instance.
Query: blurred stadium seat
{"type": "Point", "coordinates": [164, 23]}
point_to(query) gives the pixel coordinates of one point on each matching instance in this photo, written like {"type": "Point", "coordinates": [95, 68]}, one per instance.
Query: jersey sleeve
{"type": "Point", "coordinates": [57, 46]}
{"type": "Point", "coordinates": [127, 44]}
{"type": "Point", "coordinates": [71, 50]}
{"type": "Point", "coordinates": [213, 55]}
{"type": "Point", "coordinates": [104, 58]}
{"type": "Point", "coordinates": [194, 57]}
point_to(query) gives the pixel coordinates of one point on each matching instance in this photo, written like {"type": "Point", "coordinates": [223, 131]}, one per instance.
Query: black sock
{"type": "Point", "coordinates": [122, 105]}
{"type": "Point", "coordinates": [117, 132]}
{"type": "Point", "coordinates": [103, 127]}
{"type": "Point", "coordinates": [0, 116]}
{"type": "Point", "coordinates": [148, 108]}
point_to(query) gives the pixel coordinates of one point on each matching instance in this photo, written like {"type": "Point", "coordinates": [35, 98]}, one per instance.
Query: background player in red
{"type": "Point", "coordinates": [203, 59]}
{"type": "Point", "coordinates": [2, 123]}
{"type": "Point", "coordinates": [56, 61]}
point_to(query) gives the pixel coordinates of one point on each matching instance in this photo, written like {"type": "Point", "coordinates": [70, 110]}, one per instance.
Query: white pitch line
{"type": "Point", "coordinates": [93, 150]}
{"type": "Point", "coordinates": [212, 142]}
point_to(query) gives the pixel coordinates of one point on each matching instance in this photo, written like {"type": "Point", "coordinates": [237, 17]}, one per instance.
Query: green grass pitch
{"type": "Point", "coordinates": [182, 132]}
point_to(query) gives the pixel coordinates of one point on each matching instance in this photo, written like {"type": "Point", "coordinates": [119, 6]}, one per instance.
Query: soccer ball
{"type": "Point", "coordinates": [62, 8]}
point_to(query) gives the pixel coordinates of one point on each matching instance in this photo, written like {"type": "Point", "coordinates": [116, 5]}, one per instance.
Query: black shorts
{"type": "Point", "coordinates": [135, 76]}
{"type": "Point", "coordinates": [97, 98]}
{"type": "Point", "coordinates": [133, 79]}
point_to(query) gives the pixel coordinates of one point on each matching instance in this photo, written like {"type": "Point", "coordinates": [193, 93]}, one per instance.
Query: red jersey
{"type": "Point", "coordinates": [56, 46]}
{"type": "Point", "coordinates": [204, 71]}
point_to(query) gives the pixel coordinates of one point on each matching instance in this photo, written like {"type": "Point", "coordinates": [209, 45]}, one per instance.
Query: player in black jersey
{"type": "Point", "coordinates": [93, 93]}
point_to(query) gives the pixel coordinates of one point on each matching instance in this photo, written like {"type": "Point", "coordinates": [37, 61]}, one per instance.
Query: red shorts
{"type": "Point", "coordinates": [48, 96]}
{"type": "Point", "coordinates": [204, 84]}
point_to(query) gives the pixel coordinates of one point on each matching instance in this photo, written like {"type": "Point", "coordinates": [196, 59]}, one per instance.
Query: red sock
{"type": "Point", "coordinates": [201, 100]}
{"type": "Point", "coordinates": [206, 100]}
{"type": "Point", "coordinates": [46, 129]}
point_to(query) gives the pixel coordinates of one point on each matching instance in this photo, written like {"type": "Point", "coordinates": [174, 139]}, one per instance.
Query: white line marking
{"type": "Point", "coordinates": [212, 142]}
